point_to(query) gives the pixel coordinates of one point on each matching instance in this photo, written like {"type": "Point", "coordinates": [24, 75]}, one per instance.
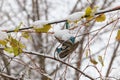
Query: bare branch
{"type": "Point", "coordinates": [38, 54]}
{"type": "Point", "coordinates": [8, 76]}
{"type": "Point", "coordinates": [112, 59]}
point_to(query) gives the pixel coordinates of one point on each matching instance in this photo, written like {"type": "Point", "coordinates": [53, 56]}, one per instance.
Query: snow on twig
{"type": "Point", "coordinates": [72, 16]}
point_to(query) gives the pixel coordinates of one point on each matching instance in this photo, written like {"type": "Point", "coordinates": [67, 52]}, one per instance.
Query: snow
{"type": "Point", "coordinates": [72, 25]}
{"type": "Point", "coordinates": [3, 35]}
{"type": "Point", "coordinates": [116, 73]}
{"type": "Point", "coordinates": [58, 9]}
{"type": "Point", "coordinates": [75, 16]}
{"type": "Point", "coordinates": [63, 34]}
{"type": "Point", "coordinates": [39, 23]}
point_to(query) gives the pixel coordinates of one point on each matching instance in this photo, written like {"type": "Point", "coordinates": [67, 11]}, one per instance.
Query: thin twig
{"type": "Point", "coordinates": [112, 59]}
{"type": "Point", "coordinates": [8, 76]}
{"type": "Point", "coordinates": [34, 53]}
{"type": "Point", "coordinates": [64, 20]}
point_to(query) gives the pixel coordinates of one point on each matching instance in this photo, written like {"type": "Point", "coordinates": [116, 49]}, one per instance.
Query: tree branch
{"type": "Point", "coordinates": [8, 76]}
{"type": "Point", "coordinates": [64, 20]}
{"type": "Point", "coordinates": [112, 59]}
{"type": "Point", "coordinates": [38, 54]}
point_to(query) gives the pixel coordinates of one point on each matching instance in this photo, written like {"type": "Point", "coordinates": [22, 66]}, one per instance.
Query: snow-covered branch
{"type": "Point", "coordinates": [74, 16]}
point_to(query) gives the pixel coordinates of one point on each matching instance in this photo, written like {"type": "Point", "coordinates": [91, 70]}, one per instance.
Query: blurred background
{"type": "Point", "coordinates": [99, 43]}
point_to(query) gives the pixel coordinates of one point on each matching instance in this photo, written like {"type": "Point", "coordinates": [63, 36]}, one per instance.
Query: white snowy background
{"type": "Point", "coordinates": [12, 13]}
